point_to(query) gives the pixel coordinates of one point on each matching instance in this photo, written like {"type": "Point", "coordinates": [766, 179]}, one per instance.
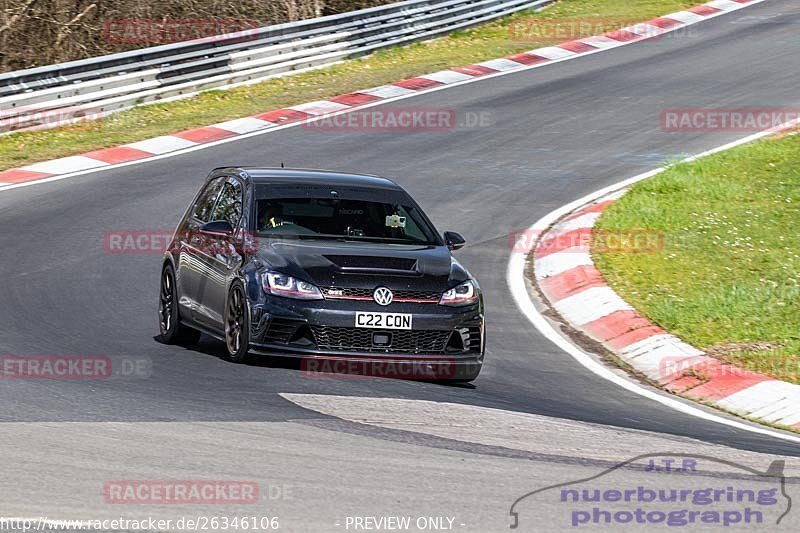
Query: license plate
{"type": "Point", "coordinates": [383, 320]}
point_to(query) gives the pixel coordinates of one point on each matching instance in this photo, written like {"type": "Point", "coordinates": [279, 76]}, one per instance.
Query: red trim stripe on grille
{"type": "Point", "coordinates": [369, 298]}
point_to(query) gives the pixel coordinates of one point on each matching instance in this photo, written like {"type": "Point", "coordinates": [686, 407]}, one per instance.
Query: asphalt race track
{"type": "Point", "coordinates": [556, 133]}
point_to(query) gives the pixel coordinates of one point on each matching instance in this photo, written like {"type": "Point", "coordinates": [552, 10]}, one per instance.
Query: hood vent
{"type": "Point", "coordinates": [364, 264]}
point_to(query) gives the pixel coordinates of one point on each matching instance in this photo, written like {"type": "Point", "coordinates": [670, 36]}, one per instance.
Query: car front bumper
{"type": "Point", "coordinates": [444, 342]}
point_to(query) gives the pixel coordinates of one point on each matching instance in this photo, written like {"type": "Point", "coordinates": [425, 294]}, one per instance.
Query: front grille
{"type": "Point", "coordinates": [366, 294]}
{"type": "Point", "coordinates": [360, 340]}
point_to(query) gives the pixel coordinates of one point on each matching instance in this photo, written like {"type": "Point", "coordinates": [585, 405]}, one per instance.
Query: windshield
{"type": "Point", "coordinates": [344, 219]}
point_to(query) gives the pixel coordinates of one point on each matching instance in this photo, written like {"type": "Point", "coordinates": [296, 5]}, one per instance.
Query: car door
{"type": "Point", "coordinates": [189, 240]}
{"type": "Point", "coordinates": [220, 256]}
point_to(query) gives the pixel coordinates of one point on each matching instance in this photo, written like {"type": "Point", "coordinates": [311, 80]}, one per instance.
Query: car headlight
{"type": "Point", "coordinates": [289, 287]}
{"type": "Point", "coordinates": [464, 294]}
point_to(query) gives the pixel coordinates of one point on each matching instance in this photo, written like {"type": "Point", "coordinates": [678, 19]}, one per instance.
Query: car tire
{"type": "Point", "coordinates": [169, 321]}
{"type": "Point", "coordinates": [237, 324]}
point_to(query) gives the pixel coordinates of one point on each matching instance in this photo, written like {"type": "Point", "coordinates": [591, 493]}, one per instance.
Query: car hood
{"type": "Point", "coordinates": [364, 265]}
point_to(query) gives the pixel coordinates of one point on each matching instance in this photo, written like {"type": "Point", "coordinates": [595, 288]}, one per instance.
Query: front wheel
{"type": "Point", "coordinates": [237, 325]}
{"type": "Point", "coordinates": [169, 323]}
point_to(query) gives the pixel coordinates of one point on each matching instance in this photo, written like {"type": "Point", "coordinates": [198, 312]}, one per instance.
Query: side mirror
{"type": "Point", "coordinates": [217, 227]}
{"type": "Point", "coordinates": [453, 240]}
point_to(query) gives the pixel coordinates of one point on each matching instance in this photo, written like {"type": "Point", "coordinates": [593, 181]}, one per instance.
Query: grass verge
{"type": "Point", "coordinates": [728, 277]}
{"type": "Point", "coordinates": [565, 20]}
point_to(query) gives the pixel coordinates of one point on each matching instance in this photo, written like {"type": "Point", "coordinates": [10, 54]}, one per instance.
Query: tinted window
{"type": "Point", "coordinates": [229, 204]}
{"type": "Point", "coordinates": [356, 219]}
{"type": "Point", "coordinates": [204, 205]}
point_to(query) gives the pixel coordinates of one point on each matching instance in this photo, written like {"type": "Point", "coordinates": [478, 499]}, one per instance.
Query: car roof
{"type": "Point", "coordinates": [261, 175]}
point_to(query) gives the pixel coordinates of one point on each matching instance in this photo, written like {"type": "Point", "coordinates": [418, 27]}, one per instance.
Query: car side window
{"type": "Point", "coordinates": [229, 204]}
{"type": "Point", "coordinates": [208, 198]}
{"type": "Point", "coordinates": [411, 228]}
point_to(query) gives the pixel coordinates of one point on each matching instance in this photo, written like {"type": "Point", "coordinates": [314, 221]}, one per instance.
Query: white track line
{"type": "Point", "coordinates": [519, 291]}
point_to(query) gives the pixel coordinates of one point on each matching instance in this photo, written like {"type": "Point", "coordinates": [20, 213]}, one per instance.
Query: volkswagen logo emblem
{"type": "Point", "coordinates": [382, 296]}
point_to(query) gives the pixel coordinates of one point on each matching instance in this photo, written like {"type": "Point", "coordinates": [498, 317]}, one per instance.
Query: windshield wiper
{"type": "Point", "coordinates": [358, 238]}
{"type": "Point", "coordinates": [386, 240]}
{"type": "Point", "coordinates": [322, 237]}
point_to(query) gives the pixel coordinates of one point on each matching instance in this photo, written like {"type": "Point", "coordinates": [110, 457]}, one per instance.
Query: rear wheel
{"type": "Point", "coordinates": [237, 325]}
{"type": "Point", "coordinates": [172, 331]}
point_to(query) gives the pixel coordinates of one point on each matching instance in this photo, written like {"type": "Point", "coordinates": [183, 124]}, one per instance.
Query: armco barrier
{"type": "Point", "coordinates": [110, 83]}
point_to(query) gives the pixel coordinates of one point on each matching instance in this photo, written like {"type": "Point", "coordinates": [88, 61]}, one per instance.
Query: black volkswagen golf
{"type": "Point", "coordinates": [321, 265]}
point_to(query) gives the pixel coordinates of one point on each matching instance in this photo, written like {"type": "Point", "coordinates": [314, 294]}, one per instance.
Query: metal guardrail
{"type": "Point", "coordinates": [89, 88]}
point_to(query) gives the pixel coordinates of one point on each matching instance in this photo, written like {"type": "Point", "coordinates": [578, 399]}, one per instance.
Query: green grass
{"type": "Point", "coordinates": [461, 48]}
{"type": "Point", "coordinates": [728, 277]}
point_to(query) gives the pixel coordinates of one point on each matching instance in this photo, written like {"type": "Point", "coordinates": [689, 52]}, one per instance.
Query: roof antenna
{"type": "Point", "coordinates": [282, 165]}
